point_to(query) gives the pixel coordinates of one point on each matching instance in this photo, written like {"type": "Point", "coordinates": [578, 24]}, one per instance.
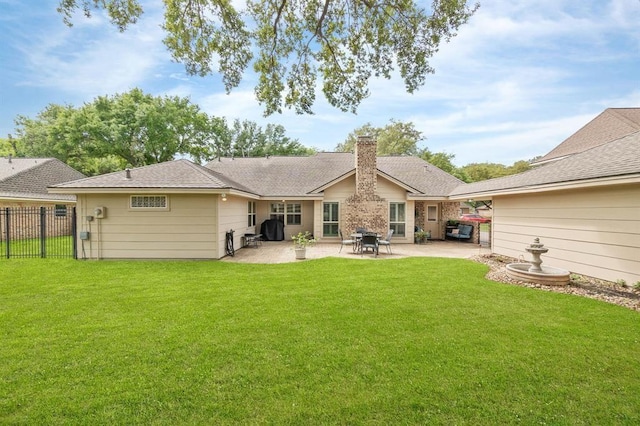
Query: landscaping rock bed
{"type": "Point", "coordinates": [579, 285]}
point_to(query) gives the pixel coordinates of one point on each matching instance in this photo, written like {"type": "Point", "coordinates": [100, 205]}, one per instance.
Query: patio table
{"type": "Point", "coordinates": [357, 236]}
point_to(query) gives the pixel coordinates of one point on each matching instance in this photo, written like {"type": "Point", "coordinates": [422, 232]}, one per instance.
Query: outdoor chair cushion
{"type": "Point", "coordinates": [464, 232]}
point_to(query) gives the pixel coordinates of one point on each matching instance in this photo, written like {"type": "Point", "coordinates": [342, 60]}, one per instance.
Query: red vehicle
{"type": "Point", "coordinates": [474, 218]}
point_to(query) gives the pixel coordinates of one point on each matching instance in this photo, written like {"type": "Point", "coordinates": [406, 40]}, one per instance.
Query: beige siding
{"type": "Point", "coordinates": [187, 230]}
{"type": "Point", "coordinates": [594, 232]}
{"type": "Point", "coordinates": [341, 190]}
{"type": "Point", "coordinates": [233, 215]}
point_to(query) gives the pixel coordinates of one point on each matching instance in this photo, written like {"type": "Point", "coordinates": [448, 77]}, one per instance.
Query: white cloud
{"type": "Point", "coordinates": [104, 62]}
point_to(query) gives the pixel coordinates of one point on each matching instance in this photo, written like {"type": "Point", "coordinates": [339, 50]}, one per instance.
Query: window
{"type": "Point", "coordinates": [251, 213]}
{"type": "Point", "coordinates": [61, 210]}
{"type": "Point", "coordinates": [432, 213]}
{"type": "Point", "coordinates": [277, 211]}
{"type": "Point", "coordinates": [149, 202]}
{"type": "Point", "coordinates": [330, 219]}
{"type": "Point", "coordinates": [397, 218]}
{"type": "Point", "coordinates": [294, 214]}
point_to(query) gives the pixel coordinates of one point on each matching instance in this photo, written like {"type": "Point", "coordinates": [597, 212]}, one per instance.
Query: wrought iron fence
{"type": "Point", "coordinates": [38, 232]}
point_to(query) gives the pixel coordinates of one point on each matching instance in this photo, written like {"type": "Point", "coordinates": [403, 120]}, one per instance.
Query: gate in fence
{"type": "Point", "coordinates": [43, 232]}
{"type": "Point", "coordinates": [484, 238]}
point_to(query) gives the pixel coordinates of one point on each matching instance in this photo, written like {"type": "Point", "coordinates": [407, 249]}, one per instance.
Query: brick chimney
{"type": "Point", "coordinates": [366, 167]}
{"type": "Point", "coordinates": [365, 208]}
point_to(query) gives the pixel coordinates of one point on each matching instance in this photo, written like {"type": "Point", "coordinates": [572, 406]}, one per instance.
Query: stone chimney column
{"type": "Point", "coordinates": [366, 181]}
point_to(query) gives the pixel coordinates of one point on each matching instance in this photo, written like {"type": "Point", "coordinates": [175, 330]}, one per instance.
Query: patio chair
{"type": "Point", "coordinates": [360, 230]}
{"type": "Point", "coordinates": [344, 242]}
{"type": "Point", "coordinates": [387, 241]}
{"type": "Point", "coordinates": [369, 241]}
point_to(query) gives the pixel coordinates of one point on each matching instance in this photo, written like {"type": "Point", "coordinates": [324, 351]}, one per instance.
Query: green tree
{"type": "Point", "coordinates": [10, 146]}
{"type": "Point", "coordinates": [396, 138]}
{"type": "Point", "coordinates": [55, 132]}
{"type": "Point", "coordinates": [344, 42]}
{"type": "Point", "coordinates": [112, 132]}
{"type": "Point", "coordinates": [443, 161]}
{"type": "Point", "coordinates": [134, 129]}
{"type": "Point", "coordinates": [519, 167]}
{"type": "Point", "coordinates": [247, 139]}
{"type": "Point", "coordinates": [143, 129]}
{"type": "Point", "coordinates": [477, 172]}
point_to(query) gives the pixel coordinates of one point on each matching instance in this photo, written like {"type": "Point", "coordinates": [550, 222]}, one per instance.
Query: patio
{"type": "Point", "coordinates": [283, 251]}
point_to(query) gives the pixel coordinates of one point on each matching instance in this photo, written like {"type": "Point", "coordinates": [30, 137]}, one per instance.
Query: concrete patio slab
{"type": "Point", "coordinates": [283, 251]}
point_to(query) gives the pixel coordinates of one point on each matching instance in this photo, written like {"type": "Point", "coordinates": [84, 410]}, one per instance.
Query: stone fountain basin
{"type": "Point", "coordinates": [548, 276]}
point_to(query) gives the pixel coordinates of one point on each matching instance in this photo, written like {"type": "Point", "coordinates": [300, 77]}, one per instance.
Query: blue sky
{"type": "Point", "coordinates": [518, 79]}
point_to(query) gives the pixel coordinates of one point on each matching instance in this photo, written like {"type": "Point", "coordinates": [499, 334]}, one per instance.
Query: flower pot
{"type": "Point", "coordinates": [301, 252]}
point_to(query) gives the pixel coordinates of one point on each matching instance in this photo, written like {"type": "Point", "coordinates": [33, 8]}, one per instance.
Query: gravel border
{"type": "Point", "coordinates": [579, 285]}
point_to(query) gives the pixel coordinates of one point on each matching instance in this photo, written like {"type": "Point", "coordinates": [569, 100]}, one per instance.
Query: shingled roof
{"type": "Point", "coordinates": [178, 174]}
{"type": "Point", "coordinates": [611, 124]}
{"type": "Point", "coordinates": [274, 176]}
{"type": "Point", "coordinates": [619, 158]}
{"type": "Point", "coordinates": [278, 176]}
{"type": "Point", "coordinates": [28, 178]}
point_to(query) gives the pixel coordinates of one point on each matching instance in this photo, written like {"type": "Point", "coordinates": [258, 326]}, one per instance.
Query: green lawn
{"type": "Point", "coordinates": [57, 247]}
{"type": "Point", "coordinates": [408, 341]}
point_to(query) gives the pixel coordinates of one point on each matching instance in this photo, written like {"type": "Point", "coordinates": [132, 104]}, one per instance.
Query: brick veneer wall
{"type": "Point", "coordinates": [366, 167]}
{"type": "Point", "coordinates": [420, 215]}
{"type": "Point", "coordinates": [450, 211]}
{"type": "Point", "coordinates": [365, 208]}
{"type": "Point", "coordinates": [366, 213]}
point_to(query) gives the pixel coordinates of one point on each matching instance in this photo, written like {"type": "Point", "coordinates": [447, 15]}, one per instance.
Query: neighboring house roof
{"type": "Point", "coordinates": [278, 176]}
{"type": "Point", "coordinates": [178, 174]}
{"type": "Point", "coordinates": [28, 178]}
{"type": "Point", "coordinates": [616, 159]}
{"type": "Point", "coordinates": [611, 124]}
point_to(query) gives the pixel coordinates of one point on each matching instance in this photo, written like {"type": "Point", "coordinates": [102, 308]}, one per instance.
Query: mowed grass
{"type": "Point", "coordinates": [330, 341]}
{"type": "Point", "coordinates": [60, 247]}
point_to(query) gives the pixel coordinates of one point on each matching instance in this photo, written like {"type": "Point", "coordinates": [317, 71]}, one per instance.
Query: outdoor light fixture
{"type": "Point", "coordinates": [224, 197]}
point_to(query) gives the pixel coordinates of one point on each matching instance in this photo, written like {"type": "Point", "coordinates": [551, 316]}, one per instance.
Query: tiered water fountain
{"type": "Point", "coordinates": [534, 272]}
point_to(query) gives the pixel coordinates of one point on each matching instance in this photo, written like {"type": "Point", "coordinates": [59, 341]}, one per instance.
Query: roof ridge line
{"type": "Point", "coordinates": [621, 117]}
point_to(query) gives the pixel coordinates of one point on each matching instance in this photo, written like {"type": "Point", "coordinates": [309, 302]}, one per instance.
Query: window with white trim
{"type": "Point", "coordinates": [148, 202]}
{"type": "Point", "coordinates": [276, 211]}
{"type": "Point", "coordinates": [397, 218]}
{"type": "Point", "coordinates": [330, 220]}
{"type": "Point", "coordinates": [251, 213]}
{"type": "Point", "coordinates": [294, 214]}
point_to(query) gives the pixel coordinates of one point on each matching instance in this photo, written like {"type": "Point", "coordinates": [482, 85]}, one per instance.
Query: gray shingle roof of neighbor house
{"type": "Point", "coordinates": [277, 176]}
{"type": "Point", "coordinates": [611, 124]}
{"type": "Point", "coordinates": [28, 178]}
{"type": "Point", "coordinates": [618, 158]}
{"type": "Point", "coordinates": [178, 174]}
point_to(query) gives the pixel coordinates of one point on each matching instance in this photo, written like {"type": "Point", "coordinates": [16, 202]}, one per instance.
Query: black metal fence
{"type": "Point", "coordinates": [38, 232]}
